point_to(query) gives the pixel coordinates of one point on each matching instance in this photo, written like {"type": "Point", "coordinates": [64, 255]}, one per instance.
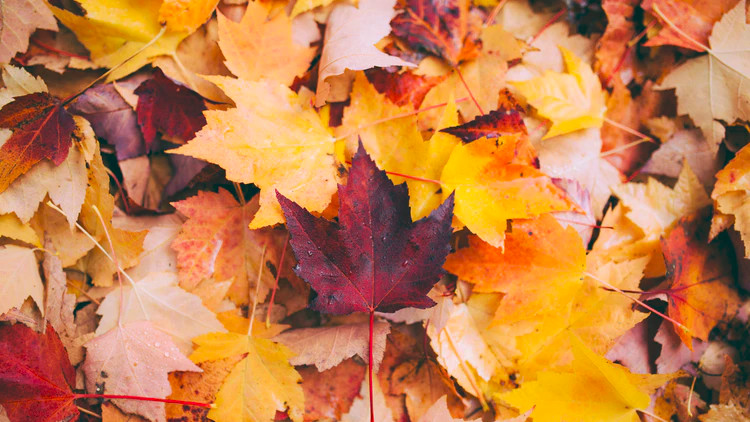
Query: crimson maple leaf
{"type": "Point", "coordinates": [35, 375]}
{"type": "Point", "coordinates": [492, 125]}
{"type": "Point", "coordinates": [375, 258]}
{"type": "Point", "coordinates": [41, 129]}
{"type": "Point", "coordinates": [169, 108]}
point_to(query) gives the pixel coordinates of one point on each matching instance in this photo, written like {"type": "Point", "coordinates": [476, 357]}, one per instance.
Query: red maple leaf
{"type": "Point", "coordinates": [492, 125]}
{"type": "Point", "coordinates": [41, 129]}
{"type": "Point", "coordinates": [440, 27]}
{"type": "Point", "coordinates": [375, 258]}
{"type": "Point", "coordinates": [35, 375]}
{"type": "Point", "coordinates": [169, 108]}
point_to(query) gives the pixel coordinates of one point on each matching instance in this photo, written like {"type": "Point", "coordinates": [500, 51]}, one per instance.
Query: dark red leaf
{"type": "Point", "coordinates": [169, 108]}
{"type": "Point", "coordinates": [402, 88]}
{"type": "Point", "coordinates": [495, 124]}
{"type": "Point", "coordinates": [375, 258]}
{"type": "Point", "coordinates": [35, 375]}
{"type": "Point", "coordinates": [41, 129]}
{"type": "Point", "coordinates": [112, 119]}
{"type": "Point", "coordinates": [440, 27]}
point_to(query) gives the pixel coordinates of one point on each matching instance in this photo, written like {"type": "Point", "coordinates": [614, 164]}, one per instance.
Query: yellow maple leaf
{"type": "Point", "coordinates": [258, 47]}
{"type": "Point", "coordinates": [731, 197]}
{"type": "Point", "coordinates": [572, 100]}
{"type": "Point", "coordinates": [272, 139]}
{"type": "Point", "coordinates": [13, 228]}
{"type": "Point", "coordinates": [259, 385]}
{"type": "Point", "coordinates": [596, 390]}
{"type": "Point", "coordinates": [115, 30]}
{"type": "Point", "coordinates": [490, 189]}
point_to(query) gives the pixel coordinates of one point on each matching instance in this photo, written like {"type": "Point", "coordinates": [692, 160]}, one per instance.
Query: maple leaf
{"type": "Point", "coordinates": [694, 21]}
{"type": "Point", "coordinates": [288, 149]}
{"type": "Point", "coordinates": [115, 30]}
{"type": "Point", "coordinates": [731, 197]}
{"type": "Point", "coordinates": [134, 359]}
{"type": "Point", "coordinates": [442, 28]}
{"type": "Point", "coordinates": [359, 410]}
{"type": "Point", "coordinates": [258, 47]}
{"type": "Point", "coordinates": [65, 184]}
{"type": "Point", "coordinates": [351, 34]}
{"type": "Point", "coordinates": [60, 305]}
{"type": "Point", "coordinates": [259, 384]}
{"type": "Point", "coordinates": [491, 187]}
{"type": "Point", "coordinates": [41, 129]}
{"type": "Point", "coordinates": [700, 295]}
{"type": "Point", "coordinates": [158, 299]}
{"type": "Point", "coordinates": [531, 252]}
{"type": "Point", "coordinates": [351, 265]}
{"type": "Point", "coordinates": [330, 393]}
{"type": "Point", "coordinates": [19, 278]}
{"type": "Point", "coordinates": [36, 376]}
{"type": "Point", "coordinates": [20, 19]}
{"type": "Point", "coordinates": [572, 100]}
{"type": "Point", "coordinates": [492, 125]}
{"type": "Point", "coordinates": [326, 347]}
{"type": "Point", "coordinates": [215, 242]}
{"type": "Point", "coordinates": [719, 78]}
{"type": "Point", "coordinates": [595, 390]}
{"type": "Point", "coordinates": [11, 227]}
{"type": "Point", "coordinates": [168, 108]}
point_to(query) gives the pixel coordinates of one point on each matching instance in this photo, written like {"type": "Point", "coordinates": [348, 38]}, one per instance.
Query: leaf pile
{"type": "Point", "coordinates": [411, 210]}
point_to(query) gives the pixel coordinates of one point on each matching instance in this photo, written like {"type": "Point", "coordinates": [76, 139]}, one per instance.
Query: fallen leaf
{"type": "Point", "coordinates": [20, 19]}
{"type": "Point", "coordinates": [360, 409]}
{"type": "Point", "coordinates": [693, 19]}
{"type": "Point", "coordinates": [685, 146]}
{"type": "Point", "coordinates": [37, 378]}
{"type": "Point", "coordinates": [699, 295]}
{"type": "Point", "coordinates": [168, 108]}
{"type": "Point", "coordinates": [215, 242]}
{"type": "Point", "coordinates": [326, 347]}
{"type": "Point", "coordinates": [258, 47]}
{"type": "Point", "coordinates": [157, 298]}
{"type": "Point", "coordinates": [259, 385]}
{"type": "Point", "coordinates": [597, 390]}
{"type": "Point", "coordinates": [134, 359]}
{"type": "Point", "coordinates": [572, 100]}
{"type": "Point", "coordinates": [444, 29]}
{"type": "Point", "coordinates": [492, 125]}
{"type": "Point", "coordinates": [11, 227]}
{"type": "Point", "coordinates": [674, 354]}
{"type": "Point", "coordinates": [731, 197]}
{"type": "Point", "coordinates": [272, 156]}
{"type": "Point", "coordinates": [352, 268]}
{"type": "Point", "coordinates": [65, 183]}
{"type": "Point", "coordinates": [718, 78]}
{"type": "Point", "coordinates": [423, 381]}
{"type": "Point", "coordinates": [349, 42]}
{"type": "Point", "coordinates": [112, 119]}
{"type": "Point", "coordinates": [402, 88]}
{"type": "Point", "coordinates": [59, 305]}
{"type": "Point", "coordinates": [532, 252]}
{"type": "Point", "coordinates": [491, 189]}
{"type": "Point", "coordinates": [330, 393]}
{"type": "Point", "coordinates": [19, 278]}
{"type": "Point", "coordinates": [613, 56]}
{"type": "Point", "coordinates": [41, 129]}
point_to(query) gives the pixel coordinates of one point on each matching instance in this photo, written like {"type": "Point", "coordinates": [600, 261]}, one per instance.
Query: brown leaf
{"type": "Point", "coordinates": [330, 393]}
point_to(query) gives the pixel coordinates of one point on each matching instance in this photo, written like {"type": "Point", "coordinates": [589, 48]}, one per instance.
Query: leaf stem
{"type": "Point", "coordinates": [118, 396]}
{"type": "Point", "coordinates": [58, 51]}
{"type": "Point", "coordinates": [628, 129]}
{"type": "Point", "coordinates": [369, 363]}
{"type": "Point", "coordinates": [276, 282]}
{"type": "Point", "coordinates": [548, 24]}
